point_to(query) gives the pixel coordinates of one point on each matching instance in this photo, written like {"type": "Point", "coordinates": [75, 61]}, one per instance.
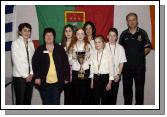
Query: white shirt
{"type": "Point", "coordinates": [19, 57]}
{"type": "Point", "coordinates": [92, 46]}
{"type": "Point", "coordinates": [74, 62]}
{"type": "Point", "coordinates": [68, 55]}
{"type": "Point", "coordinates": [105, 65]}
{"type": "Point", "coordinates": [118, 57]}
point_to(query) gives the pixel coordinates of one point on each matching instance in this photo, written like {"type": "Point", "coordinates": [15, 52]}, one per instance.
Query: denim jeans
{"type": "Point", "coordinates": [50, 93]}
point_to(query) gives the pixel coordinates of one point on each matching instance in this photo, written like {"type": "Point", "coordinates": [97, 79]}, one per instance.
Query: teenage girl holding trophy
{"type": "Point", "coordinates": [79, 59]}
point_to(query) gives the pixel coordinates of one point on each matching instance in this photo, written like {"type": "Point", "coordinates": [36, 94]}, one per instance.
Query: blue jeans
{"type": "Point", "coordinates": [50, 93]}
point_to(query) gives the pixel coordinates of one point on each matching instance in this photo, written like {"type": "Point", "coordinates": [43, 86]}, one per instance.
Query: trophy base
{"type": "Point", "coordinates": [81, 76]}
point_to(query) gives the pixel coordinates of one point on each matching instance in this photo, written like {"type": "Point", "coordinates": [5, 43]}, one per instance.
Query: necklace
{"type": "Point", "coordinates": [113, 54]}
{"type": "Point", "coordinates": [99, 63]}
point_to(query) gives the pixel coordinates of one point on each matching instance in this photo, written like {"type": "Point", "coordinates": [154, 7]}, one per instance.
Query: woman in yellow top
{"type": "Point", "coordinates": [51, 68]}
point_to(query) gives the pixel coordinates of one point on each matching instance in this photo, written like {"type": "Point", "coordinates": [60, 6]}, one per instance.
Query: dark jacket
{"type": "Point", "coordinates": [41, 63]}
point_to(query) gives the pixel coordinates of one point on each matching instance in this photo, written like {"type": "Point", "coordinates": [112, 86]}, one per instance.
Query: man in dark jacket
{"type": "Point", "coordinates": [137, 45]}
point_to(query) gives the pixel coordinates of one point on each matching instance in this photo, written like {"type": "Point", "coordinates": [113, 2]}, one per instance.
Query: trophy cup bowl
{"type": "Point", "coordinates": [80, 58]}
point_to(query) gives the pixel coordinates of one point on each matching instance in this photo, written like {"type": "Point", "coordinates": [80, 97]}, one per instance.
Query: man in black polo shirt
{"type": "Point", "coordinates": [137, 45]}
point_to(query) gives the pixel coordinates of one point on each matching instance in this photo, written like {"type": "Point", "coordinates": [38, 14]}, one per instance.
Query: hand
{"type": "Point", "coordinates": [29, 78]}
{"type": "Point", "coordinates": [108, 87]}
{"type": "Point", "coordinates": [116, 78]}
{"type": "Point", "coordinates": [91, 85]}
{"type": "Point", "coordinates": [74, 56]}
{"type": "Point", "coordinates": [38, 82]}
{"type": "Point", "coordinates": [66, 82]}
{"type": "Point", "coordinates": [87, 55]}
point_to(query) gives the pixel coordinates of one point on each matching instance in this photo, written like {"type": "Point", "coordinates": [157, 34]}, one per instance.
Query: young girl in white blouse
{"type": "Point", "coordinates": [118, 60]}
{"type": "Point", "coordinates": [79, 59]}
{"type": "Point", "coordinates": [69, 36]}
{"type": "Point", "coordinates": [101, 71]}
{"type": "Point", "coordinates": [90, 30]}
{"type": "Point", "coordinates": [22, 51]}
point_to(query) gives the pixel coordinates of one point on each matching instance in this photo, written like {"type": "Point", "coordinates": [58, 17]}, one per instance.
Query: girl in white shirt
{"type": "Point", "coordinates": [22, 51]}
{"type": "Point", "coordinates": [68, 37]}
{"type": "Point", "coordinates": [80, 68]}
{"type": "Point", "coordinates": [118, 58]}
{"type": "Point", "coordinates": [90, 30]}
{"type": "Point", "coordinates": [101, 71]}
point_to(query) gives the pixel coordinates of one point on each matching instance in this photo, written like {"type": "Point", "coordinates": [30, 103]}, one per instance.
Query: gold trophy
{"type": "Point", "coordinates": [80, 58]}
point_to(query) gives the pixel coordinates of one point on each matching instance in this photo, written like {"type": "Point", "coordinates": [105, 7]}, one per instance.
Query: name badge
{"type": "Point", "coordinates": [126, 38]}
{"type": "Point", "coordinates": [139, 38]}
{"type": "Point", "coordinates": [45, 51]}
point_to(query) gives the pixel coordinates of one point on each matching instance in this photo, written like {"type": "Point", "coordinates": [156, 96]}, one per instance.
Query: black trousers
{"type": "Point", "coordinates": [90, 93]}
{"type": "Point", "coordinates": [69, 94]}
{"type": "Point", "coordinates": [23, 91]}
{"type": "Point", "coordinates": [112, 94]}
{"type": "Point", "coordinates": [138, 74]}
{"type": "Point", "coordinates": [100, 93]}
{"type": "Point", "coordinates": [81, 87]}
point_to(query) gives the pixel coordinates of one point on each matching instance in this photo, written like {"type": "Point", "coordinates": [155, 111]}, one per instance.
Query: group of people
{"type": "Point", "coordinates": [84, 65]}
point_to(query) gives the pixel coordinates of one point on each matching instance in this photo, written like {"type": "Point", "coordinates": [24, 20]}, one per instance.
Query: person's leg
{"type": "Point", "coordinates": [52, 94]}
{"type": "Point", "coordinates": [97, 88]}
{"type": "Point", "coordinates": [72, 95]}
{"type": "Point", "coordinates": [89, 91]}
{"type": "Point", "coordinates": [104, 92]}
{"type": "Point", "coordinates": [83, 92]}
{"type": "Point", "coordinates": [78, 90]}
{"type": "Point", "coordinates": [76, 87]}
{"type": "Point", "coordinates": [19, 88]}
{"type": "Point", "coordinates": [139, 86]}
{"type": "Point", "coordinates": [58, 89]}
{"type": "Point", "coordinates": [28, 93]}
{"type": "Point", "coordinates": [112, 94]}
{"type": "Point", "coordinates": [86, 97]}
{"type": "Point", "coordinates": [127, 86]}
{"type": "Point", "coordinates": [67, 94]}
{"type": "Point", "coordinates": [42, 91]}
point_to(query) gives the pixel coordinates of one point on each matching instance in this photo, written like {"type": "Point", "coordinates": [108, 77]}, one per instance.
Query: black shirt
{"type": "Point", "coordinates": [134, 45]}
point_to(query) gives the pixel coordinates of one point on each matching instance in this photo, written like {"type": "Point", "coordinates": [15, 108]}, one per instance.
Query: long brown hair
{"type": "Point", "coordinates": [64, 40]}
{"type": "Point", "coordinates": [93, 28]}
{"type": "Point", "coordinates": [73, 42]}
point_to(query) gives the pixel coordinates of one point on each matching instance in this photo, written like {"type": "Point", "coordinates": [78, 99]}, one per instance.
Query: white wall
{"type": "Point", "coordinates": [143, 13]}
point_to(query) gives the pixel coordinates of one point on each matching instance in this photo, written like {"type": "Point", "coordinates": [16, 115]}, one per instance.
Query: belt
{"type": "Point", "coordinates": [101, 75]}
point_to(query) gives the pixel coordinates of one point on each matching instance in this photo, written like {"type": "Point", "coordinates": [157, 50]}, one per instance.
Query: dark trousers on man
{"type": "Point", "coordinates": [138, 74]}
{"type": "Point", "coordinates": [112, 94]}
{"type": "Point", "coordinates": [100, 93]}
{"type": "Point", "coordinates": [23, 91]}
